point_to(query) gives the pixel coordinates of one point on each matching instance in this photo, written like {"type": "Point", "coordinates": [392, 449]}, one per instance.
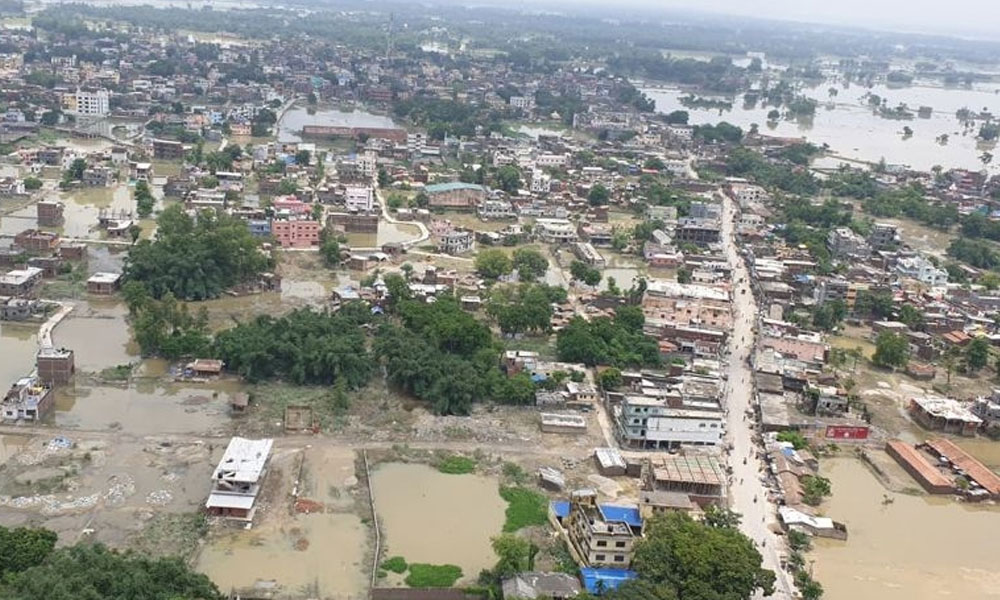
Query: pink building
{"type": "Point", "coordinates": [290, 206]}
{"type": "Point", "coordinates": [296, 234]}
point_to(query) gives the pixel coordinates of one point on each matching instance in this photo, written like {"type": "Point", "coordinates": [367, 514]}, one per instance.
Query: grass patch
{"type": "Point", "coordinates": [433, 576]}
{"type": "Point", "coordinates": [117, 373]}
{"type": "Point", "coordinates": [396, 564]}
{"type": "Point", "coordinates": [170, 534]}
{"type": "Point", "coordinates": [453, 464]}
{"type": "Point", "coordinates": [524, 508]}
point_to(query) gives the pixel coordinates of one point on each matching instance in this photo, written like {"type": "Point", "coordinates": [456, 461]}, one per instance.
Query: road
{"type": "Point", "coordinates": [748, 494]}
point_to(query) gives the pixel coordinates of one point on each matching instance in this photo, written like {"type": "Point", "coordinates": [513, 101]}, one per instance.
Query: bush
{"type": "Point", "coordinates": [456, 465]}
{"type": "Point", "coordinates": [396, 564]}
{"type": "Point", "coordinates": [433, 576]}
{"type": "Point", "coordinates": [524, 508]}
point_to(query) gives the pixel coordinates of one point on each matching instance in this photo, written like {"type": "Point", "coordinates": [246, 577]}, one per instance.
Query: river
{"type": "Point", "coordinates": [852, 130]}
{"type": "Point", "coordinates": [916, 548]}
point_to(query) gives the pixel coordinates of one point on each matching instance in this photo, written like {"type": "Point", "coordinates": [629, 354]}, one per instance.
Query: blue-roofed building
{"type": "Point", "coordinates": [602, 580]}
{"type": "Point", "coordinates": [598, 535]}
{"type": "Point", "coordinates": [455, 195]}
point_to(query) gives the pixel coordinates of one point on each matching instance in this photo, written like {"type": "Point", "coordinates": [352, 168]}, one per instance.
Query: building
{"type": "Point", "coordinates": [34, 240]}
{"type": "Point", "coordinates": [49, 213]}
{"type": "Point", "coordinates": [536, 584]}
{"type": "Point", "coordinates": [844, 243]}
{"type": "Point", "coordinates": [301, 233]}
{"type": "Point", "coordinates": [944, 414]}
{"type": "Point", "coordinates": [883, 236]}
{"type": "Point", "coordinates": [17, 309]}
{"type": "Point", "coordinates": [601, 535]}
{"type": "Point", "coordinates": [55, 366]}
{"type": "Point", "coordinates": [168, 150]}
{"type": "Point", "coordinates": [675, 482]}
{"type": "Point", "coordinates": [984, 483]}
{"type": "Point", "coordinates": [27, 400]}
{"type": "Point", "coordinates": [97, 176]}
{"type": "Point", "coordinates": [359, 198]}
{"type": "Point", "coordinates": [919, 467]}
{"type": "Point", "coordinates": [496, 209]}
{"type": "Point", "coordinates": [457, 241]}
{"type": "Point", "coordinates": [700, 232]}
{"type": "Point", "coordinates": [237, 480]}
{"type": "Point", "coordinates": [20, 282]}
{"type": "Point", "coordinates": [104, 284]}
{"type": "Point", "coordinates": [651, 422]}
{"type": "Point", "coordinates": [921, 269]}
{"type": "Point", "coordinates": [455, 195]}
{"type": "Point", "coordinates": [555, 231]}
{"type": "Point", "coordinates": [82, 103]}
{"type": "Point", "coordinates": [586, 252]}
{"type": "Point", "coordinates": [353, 222]}
{"type": "Point", "coordinates": [563, 423]}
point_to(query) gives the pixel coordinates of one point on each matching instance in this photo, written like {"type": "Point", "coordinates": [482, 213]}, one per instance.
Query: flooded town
{"type": "Point", "coordinates": [414, 302]}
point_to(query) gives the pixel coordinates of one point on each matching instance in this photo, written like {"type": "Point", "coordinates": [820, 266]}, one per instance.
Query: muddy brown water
{"type": "Point", "coordinates": [431, 517]}
{"type": "Point", "coordinates": [98, 334]}
{"type": "Point", "coordinates": [387, 233]}
{"type": "Point", "coordinates": [318, 555]}
{"type": "Point", "coordinates": [916, 548]}
{"type": "Point", "coordinates": [18, 344]}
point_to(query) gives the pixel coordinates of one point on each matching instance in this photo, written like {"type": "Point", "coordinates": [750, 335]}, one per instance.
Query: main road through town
{"type": "Point", "coordinates": [748, 493]}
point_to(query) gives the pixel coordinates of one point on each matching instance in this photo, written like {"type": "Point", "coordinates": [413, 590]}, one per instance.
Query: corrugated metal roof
{"type": "Point", "coordinates": [609, 579]}
{"type": "Point", "coordinates": [452, 186]}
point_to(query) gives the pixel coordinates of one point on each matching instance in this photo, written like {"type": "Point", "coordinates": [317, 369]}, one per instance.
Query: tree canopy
{"type": "Point", "coordinates": [603, 341]}
{"type": "Point", "coordinates": [195, 259]}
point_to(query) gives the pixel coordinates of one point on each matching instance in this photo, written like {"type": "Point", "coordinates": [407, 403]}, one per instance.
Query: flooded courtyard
{"type": "Point", "coordinates": [432, 517]}
{"type": "Point", "coordinates": [291, 123]}
{"type": "Point", "coordinates": [319, 553]}
{"type": "Point", "coordinates": [917, 547]}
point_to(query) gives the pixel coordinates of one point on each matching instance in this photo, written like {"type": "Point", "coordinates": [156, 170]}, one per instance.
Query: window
{"type": "Point", "coordinates": [619, 558]}
{"type": "Point", "coordinates": [599, 558]}
{"type": "Point", "coordinates": [619, 544]}
{"type": "Point", "coordinates": [601, 543]}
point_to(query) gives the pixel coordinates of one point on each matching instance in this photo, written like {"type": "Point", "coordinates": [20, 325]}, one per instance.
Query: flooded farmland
{"type": "Point", "coordinates": [915, 548]}
{"type": "Point", "coordinates": [102, 320]}
{"type": "Point", "coordinates": [432, 517]}
{"type": "Point", "coordinates": [322, 554]}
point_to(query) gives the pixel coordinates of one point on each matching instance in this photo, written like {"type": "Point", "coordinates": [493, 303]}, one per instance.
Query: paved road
{"type": "Point", "coordinates": [748, 495]}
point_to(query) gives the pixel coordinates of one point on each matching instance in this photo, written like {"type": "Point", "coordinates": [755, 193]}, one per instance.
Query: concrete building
{"type": "Point", "coordinates": [359, 198]}
{"type": "Point", "coordinates": [600, 535]}
{"type": "Point", "coordinates": [700, 232]}
{"type": "Point", "coordinates": [27, 400]}
{"type": "Point", "coordinates": [55, 366]}
{"type": "Point", "coordinates": [844, 243]}
{"type": "Point", "coordinates": [883, 236]}
{"type": "Point", "coordinates": [652, 423]}
{"type": "Point", "coordinates": [457, 241]}
{"type": "Point", "coordinates": [20, 282]}
{"type": "Point", "coordinates": [944, 414]}
{"type": "Point", "coordinates": [301, 233]}
{"type": "Point", "coordinates": [586, 252]}
{"type": "Point", "coordinates": [168, 150]}
{"type": "Point", "coordinates": [496, 209]}
{"type": "Point", "coordinates": [675, 482]}
{"type": "Point", "coordinates": [82, 103]}
{"type": "Point", "coordinates": [237, 480]}
{"type": "Point", "coordinates": [535, 584]}
{"type": "Point", "coordinates": [49, 213]}
{"type": "Point", "coordinates": [104, 284]}
{"type": "Point", "coordinates": [455, 195]}
{"type": "Point", "coordinates": [921, 269]}
{"type": "Point", "coordinates": [555, 231]}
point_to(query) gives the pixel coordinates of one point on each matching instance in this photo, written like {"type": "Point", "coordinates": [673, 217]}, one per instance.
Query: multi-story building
{"type": "Point", "coordinates": [49, 213]}
{"type": "Point", "coordinates": [359, 198]}
{"type": "Point", "coordinates": [652, 423]}
{"type": "Point", "coordinates": [541, 183]}
{"type": "Point", "coordinates": [55, 365]}
{"type": "Point", "coordinates": [844, 243]}
{"type": "Point", "coordinates": [237, 480]}
{"type": "Point", "coordinates": [20, 282]}
{"type": "Point", "coordinates": [27, 400]}
{"type": "Point", "coordinates": [496, 209]}
{"type": "Point", "coordinates": [700, 232]}
{"type": "Point", "coordinates": [883, 235]}
{"type": "Point", "coordinates": [600, 535]}
{"type": "Point", "coordinates": [921, 269]}
{"type": "Point", "coordinates": [82, 103]}
{"type": "Point", "coordinates": [675, 482]}
{"type": "Point", "coordinates": [455, 195]}
{"type": "Point", "coordinates": [555, 231]}
{"type": "Point", "coordinates": [457, 241]}
{"type": "Point", "coordinates": [300, 233]}
{"type": "Point", "coordinates": [168, 149]}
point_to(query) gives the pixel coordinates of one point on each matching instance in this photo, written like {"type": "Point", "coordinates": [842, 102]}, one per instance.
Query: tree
{"type": "Point", "coordinates": [891, 350]}
{"type": "Point", "coordinates": [610, 378]}
{"type": "Point", "coordinates": [684, 275]}
{"type": "Point", "coordinates": [513, 552]}
{"type": "Point", "coordinates": [683, 558]}
{"type": "Point", "coordinates": [598, 195]}
{"type": "Point", "coordinates": [144, 201]}
{"type": "Point", "coordinates": [530, 264]}
{"type": "Point", "coordinates": [383, 178]}
{"type": "Point", "coordinates": [828, 315]}
{"type": "Point", "coordinates": [721, 517]}
{"type": "Point", "coordinates": [796, 439]}
{"type": "Point", "coordinates": [329, 249]}
{"type": "Point", "coordinates": [583, 272]}
{"type": "Point", "coordinates": [24, 547]}
{"type": "Point", "coordinates": [977, 354]}
{"type": "Point", "coordinates": [302, 157]}
{"type": "Point", "coordinates": [508, 178]}
{"type": "Point", "coordinates": [493, 263]}
{"type": "Point", "coordinates": [32, 183]}
{"type": "Point", "coordinates": [814, 489]}
{"type": "Point", "coordinates": [913, 318]}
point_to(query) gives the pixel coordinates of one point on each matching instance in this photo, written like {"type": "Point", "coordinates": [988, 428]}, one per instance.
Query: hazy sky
{"type": "Point", "coordinates": [975, 18]}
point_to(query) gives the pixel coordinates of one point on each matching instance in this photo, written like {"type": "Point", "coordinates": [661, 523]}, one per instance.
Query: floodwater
{"type": "Point", "coordinates": [296, 117]}
{"type": "Point", "coordinates": [387, 233]}
{"type": "Point", "coordinates": [146, 409]}
{"type": "Point", "coordinates": [847, 124]}
{"type": "Point", "coordinates": [18, 344]}
{"type": "Point", "coordinates": [98, 334]}
{"type": "Point", "coordinates": [228, 311]}
{"type": "Point", "coordinates": [318, 555]}
{"type": "Point", "coordinates": [432, 517]}
{"type": "Point", "coordinates": [916, 548]}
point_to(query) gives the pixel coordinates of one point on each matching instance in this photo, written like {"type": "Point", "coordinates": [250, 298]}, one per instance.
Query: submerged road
{"type": "Point", "coordinates": [747, 493]}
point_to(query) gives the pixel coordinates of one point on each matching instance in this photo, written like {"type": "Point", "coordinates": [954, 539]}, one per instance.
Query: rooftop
{"type": "Point", "coordinates": [688, 469]}
{"type": "Point", "coordinates": [244, 460]}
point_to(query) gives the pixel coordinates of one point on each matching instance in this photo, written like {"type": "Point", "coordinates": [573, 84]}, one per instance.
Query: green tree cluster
{"type": "Point", "coordinates": [584, 273]}
{"type": "Point", "coordinates": [891, 350]}
{"type": "Point", "coordinates": [195, 259]}
{"type": "Point", "coordinates": [163, 326]}
{"type": "Point", "coordinates": [604, 341]}
{"type": "Point", "coordinates": [144, 200]}
{"type": "Point", "coordinates": [493, 263]}
{"type": "Point", "coordinates": [523, 308]}
{"type": "Point", "coordinates": [304, 347]}
{"type": "Point", "coordinates": [530, 264]}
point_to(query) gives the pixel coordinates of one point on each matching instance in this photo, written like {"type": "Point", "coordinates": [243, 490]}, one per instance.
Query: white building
{"type": "Point", "coordinates": [87, 103]}
{"type": "Point", "coordinates": [647, 422]}
{"type": "Point", "coordinates": [555, 231]}
{"type": "Point", "coordinates": [921, 269]}
{"type": "Point", "coordinates": [456, 241]}
{"type": "Point", "coordinates": [540, 182]}
{"type": "Point", "coordinates": [551, 160]}
{"type": "Point", "coordinates": [237, 480]}
{"type": "Point", "coordinates": [496, 209]}
{"type": "Point", "coordinates": [359, 198]}
{"type": "Point", "coordinates": [522, 102]}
